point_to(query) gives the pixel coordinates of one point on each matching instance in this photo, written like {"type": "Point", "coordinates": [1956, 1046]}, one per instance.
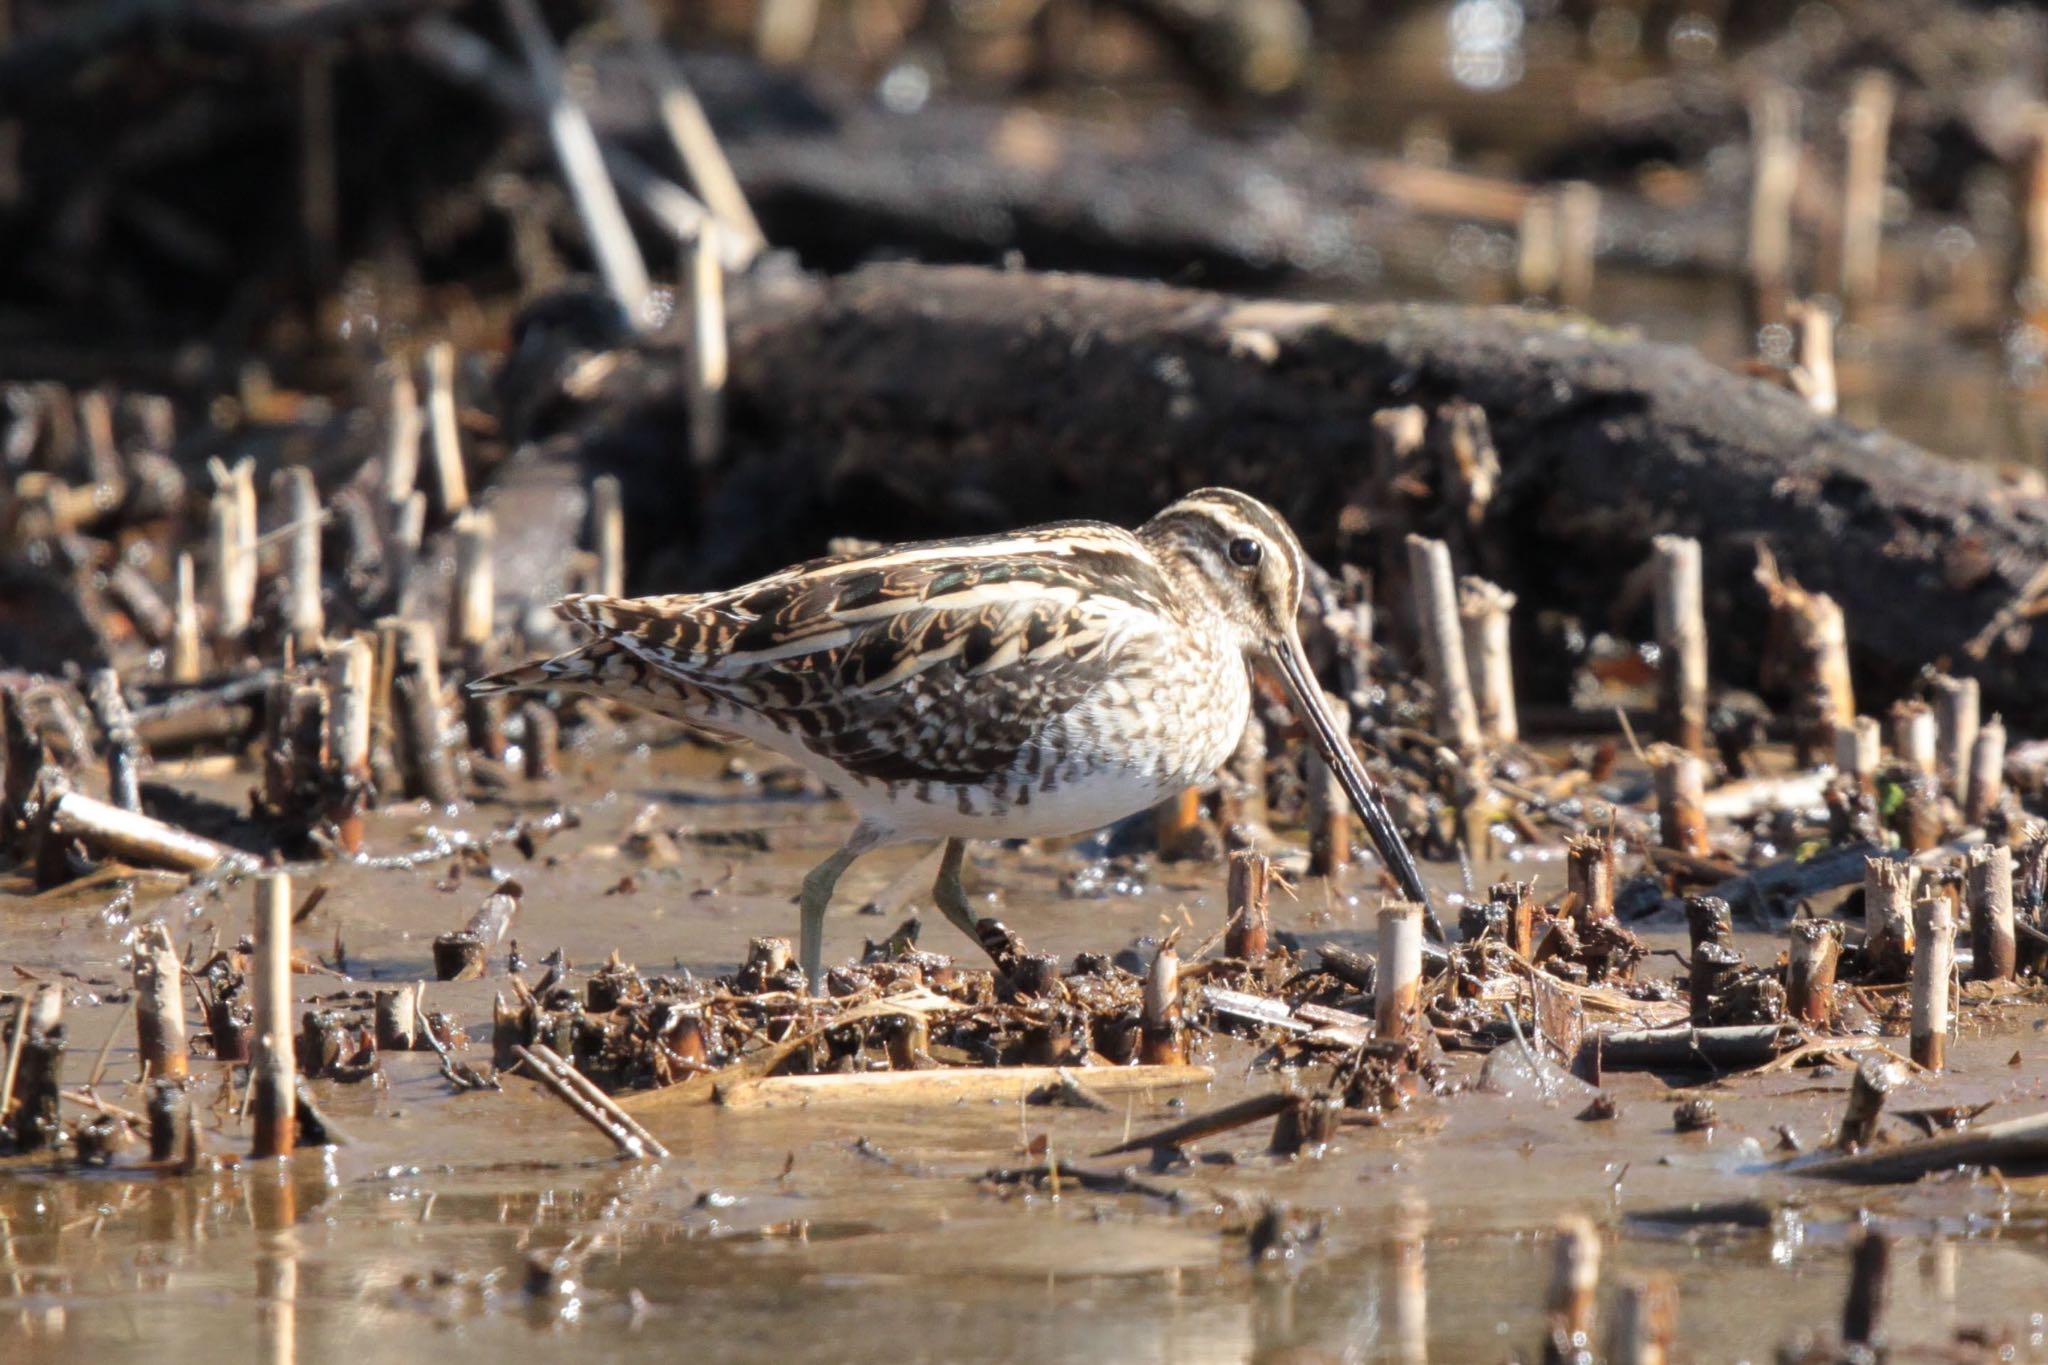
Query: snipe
{"type": "Point", "coordinates": [1044, 682]}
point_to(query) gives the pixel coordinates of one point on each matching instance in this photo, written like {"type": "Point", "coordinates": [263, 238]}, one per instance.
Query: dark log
{"type": "Point", "coordinates": [914, 401]}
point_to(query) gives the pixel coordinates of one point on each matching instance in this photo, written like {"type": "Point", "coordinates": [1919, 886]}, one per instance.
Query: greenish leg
{"type": "Point", "coordinates": [950, 895]}
{"type": "Point", "coordinates": [817, 894]}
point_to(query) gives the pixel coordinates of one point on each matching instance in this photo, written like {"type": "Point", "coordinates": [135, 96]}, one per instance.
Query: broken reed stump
{"type": "Point", "coordinates": [1986, 786]}
{"type": "Point", "coordinates": [1246, 932]}
{"type": "Point", "coordinates": [159, 1006]}
{"type": "Point", "coordinates": [1957, 719]}
{"type": "Point", "coordinates": [230, 1023]}
{"type": "Point", "coordinates": [1485, 610]}
{"type": "Point", "coordinates": [294, 756]}
{"type": "Point", "coordinates": [241, 480]}
{"type": "Point", "coordinates": [1806, 656]}
{"type": "Point", "coordinates": [231, 534]}
{"type": "Point", "coordinates": [1774, 180]}
{"type": "Point", "coordinates": [541, 740]}
{"type": "Point", "coordinates": [608, 534]}
{"type": "Point", "coordinates": [1680, 643]}
{"type": "Point", "coordinates": [1517, 901]}
{"type": "Point", "coordinates": [414, 670]}
{"type": "Point", "coordinates": [275, 1096]}
{"type": "Point", "coordinates": [1574, 1289]}
{"type": "Point", "coordinates": [23, 773]}
{"type": "Point", "coordinates": [908, 1042]}
{"type": "Point", "coordinates": [1644, 1327]}
{"type": "Point", "coordinates": [688, 1037]}
{"type": "Point", "coordinates": [1866, 129]}
{"type": "Point", "coordinates": [1916, 736]}
{"type": "Point", "coordinates": [1933, 961]}
{"type": "Point", "coordinates": [230, 612]}
{"type": "Point", "coordinates": [402, 432]}
{"type": "Point", "coordinates": [124, 748]}
{"type": "Point", "coordinates": [305, 618]}
{"type": "Point", "coordinates": [29, 1103]}
{"type": "Point", "coordinates": [395, 1019]}
{"type": "Point", "coordinates": [1714, 967]}
{"type": "Point", "coordinates": [1889, 886]}
{"type": "Point", "coordinates": [1443, 644]}
{"type": "Point", "coordinates": [402, 551]}
{"type": "Point", "coordinates": [705, 359]}
{"type": "Point", "coordinates": [185, 664]}
{"type": "Point", "coordinates": [472, 626]}
{"type": "Point", "coordinates": [1708, 919]}
{"type": "Point", "coordinates": [1162, 1038]}
{"type": "Point", "coordinates": [1329, 810]}
{"type": "Point", "coordinates": [1859, 750]}
{"type": "Point", "coordinates": [1578, 237]}
{"type": "Point", "coordinates": [135, 593]}
{"type": "Point", "coordinates": [1536, 263]}
{"type": "Point", "coordinates": [1681, 779]}
{"type": "Point", "coordinates": [1395, 460]}
{"type": "Point", "coordinates": [1918, 818]}
{"type": "Point", "coordinates": [1813, 346]}
{"type": "Point", "coordinates": [1989, 894]}
{"type": "Point", "coordinates": [451, 480]}
{"type": "Point", "coordinates": [1810, 971]}
{"type": "Point", "coordinates": [1589, 879]}
{"type": "Point", "coordinates": [1871, 1086]}
{"type": "Point", "coordinates": [1468, 466]}
{"type": "Point", "coordinates": [769, 959]}
{"type": "Point", "coordinates": [473, 605]}
{"type": "Point", "coordinates": [464, 954]}
{"type": "Point", "coordinates": [1306, 1126]}
{"type": "Point", "coordinates": [1397, 975]}
{"type": "Point", "coordinates": [351, 673]}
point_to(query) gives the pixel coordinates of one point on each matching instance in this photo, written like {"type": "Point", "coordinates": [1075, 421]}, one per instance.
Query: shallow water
{"type": "Point", "coordinates": [867, 1233]}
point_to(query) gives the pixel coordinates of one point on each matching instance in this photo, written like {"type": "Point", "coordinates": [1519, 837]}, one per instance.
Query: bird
{"type": "Point", "coordinates": [1040, 682]}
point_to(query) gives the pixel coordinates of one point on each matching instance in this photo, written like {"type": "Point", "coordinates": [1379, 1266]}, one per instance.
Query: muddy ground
{"type": "Point", "coordinates": [495, 1223]}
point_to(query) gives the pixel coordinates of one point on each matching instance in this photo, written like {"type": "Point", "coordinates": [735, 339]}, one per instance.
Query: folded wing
{"type": "Point", "coordinates": [903, 666]}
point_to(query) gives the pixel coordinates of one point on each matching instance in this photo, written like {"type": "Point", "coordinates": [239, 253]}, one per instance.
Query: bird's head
{"type": "Point", "coordinates": [1244, 558]}
{"type": "Point", "coordinates": [1240, 554]}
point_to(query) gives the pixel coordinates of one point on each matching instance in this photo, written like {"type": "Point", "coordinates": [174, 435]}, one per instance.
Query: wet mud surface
{"type": "Point", "coordinates": [493, 1223]}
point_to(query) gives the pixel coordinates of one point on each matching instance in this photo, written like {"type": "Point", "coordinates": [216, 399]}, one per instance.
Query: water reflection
{"type": "Point", "coordinates": [277, 1294]}
{"type": "Point", "coordinates": [1408, 1283]}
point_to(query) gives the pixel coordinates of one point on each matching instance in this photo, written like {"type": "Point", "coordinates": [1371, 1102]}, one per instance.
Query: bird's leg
{"type": "Point", "coordinates": [949, 894]}
{"type": "Point", "coordinates": [817, 894]}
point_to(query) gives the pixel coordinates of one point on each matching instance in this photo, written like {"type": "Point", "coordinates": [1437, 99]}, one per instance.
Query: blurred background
{"type": "Point", "coordinates": [188, 190]}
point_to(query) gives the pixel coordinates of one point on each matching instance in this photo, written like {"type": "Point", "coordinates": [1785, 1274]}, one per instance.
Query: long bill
{"type": "Point", "coordinates": [1307, 696]}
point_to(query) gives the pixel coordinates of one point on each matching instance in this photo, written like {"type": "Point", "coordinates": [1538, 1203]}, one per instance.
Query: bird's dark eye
{"type": "Point", "coordinates": [1245, 552]}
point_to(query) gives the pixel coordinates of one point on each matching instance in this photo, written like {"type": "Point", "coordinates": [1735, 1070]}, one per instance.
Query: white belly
{"type": "Point", "coordinates": [1100, 797]}
{"type": "Point", "coordinates": [1116, 755]}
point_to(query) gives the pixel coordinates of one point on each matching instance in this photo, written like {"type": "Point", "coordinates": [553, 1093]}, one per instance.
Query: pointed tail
{"type": "Point", "coordinates": [576, 669]}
